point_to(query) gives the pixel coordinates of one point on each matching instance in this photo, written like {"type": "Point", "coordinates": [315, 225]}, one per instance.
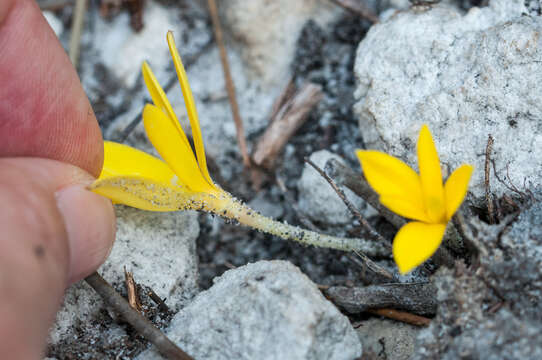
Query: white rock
{"type": "Point", "coordinates": [158, 248]}
{"type": "Point", "coordinates": [466, 77]}
{"type": "Point", "coordinates": [123, 51]}
{"type": "Point", "coordinates": [393, 339]}
{"type": "Point", "coordinates": [54, 22]}
{"type": "Point", "coordinates": [265, 310]}
{"type": "Point", "coordinates": [317, 199]}
{"type": "Point", "coordinates": [269, 30]}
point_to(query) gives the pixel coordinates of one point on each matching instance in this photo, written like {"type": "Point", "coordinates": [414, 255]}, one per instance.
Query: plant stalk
{"type": "Point", "coordinates": [225, 205]}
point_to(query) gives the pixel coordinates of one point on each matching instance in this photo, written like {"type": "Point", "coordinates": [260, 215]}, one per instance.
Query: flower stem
{"type": "Point", "coordinates": [227, 206]}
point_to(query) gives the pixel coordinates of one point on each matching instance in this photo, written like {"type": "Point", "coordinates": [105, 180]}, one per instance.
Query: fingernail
{"type": "Point", "coordinates": [90, 224]}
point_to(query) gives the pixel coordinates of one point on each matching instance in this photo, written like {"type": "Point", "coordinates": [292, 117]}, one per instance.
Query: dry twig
{"type": "Point", "coordinates": [77, 26]}
{"type": "Point", "coordinates": [229, 83]}
{"type": "Point", "coordinates": [108, 8]}
{"type": "Point", "coordinates": [511, 185]}
{"type": "Point", "coordinates": [142, 325]}
{"type": "Point", "coordinates": [402, 316]}
{"type": "Point", "coordinates": [417, 298]}
{"type": "Point", "coordinates": [135, 7]}
{"type": "Point", "coordinates": [489, 198]}
{"type": "Point", "coordinates": [158, 300]}
{"type": "Point", "coordinates": [291, 115]}
{"type": "Point", "coordinates": [359, 8]}
{"type": "Point", "coordinates": [287, 93]}
{"type": "Point", "coordinates": [131, 289]}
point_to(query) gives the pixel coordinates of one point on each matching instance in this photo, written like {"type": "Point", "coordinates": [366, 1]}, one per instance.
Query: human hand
{"type": "Point", "coordinates": [53, 231]}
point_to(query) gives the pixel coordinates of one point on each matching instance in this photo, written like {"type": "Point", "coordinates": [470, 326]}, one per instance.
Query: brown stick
{"type": "Point", "coordinates": [358, 8]}
{"type": "Point", "coordinates": [288, 119]}
{"type": "Point", "coordinates": [287, 93]}
{"type": "Point", "coordinates": [402, 316]}
{"type": "Point", "coordinates": [135, 8]}
{"type": "Point", "coordinates": [143, 326]}
{"type": "Point", "coordinates": [229, 83]}
{"type": "Point", "coordinates": [158, 300]}
{"type": "Point", "coordinates": [418, 298]}
{"type": "Point", "coordinates": [77, 26]}
{"type": "Point", "coordinates": [489, 198]}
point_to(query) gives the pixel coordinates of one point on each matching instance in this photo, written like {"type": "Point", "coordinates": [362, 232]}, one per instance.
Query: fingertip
{"type": "Point", "coordinates": [90, 225]}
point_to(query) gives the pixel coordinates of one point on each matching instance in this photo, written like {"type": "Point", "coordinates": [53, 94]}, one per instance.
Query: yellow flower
{"type": "Point", "coordinates": [419, 197]}
{"type": "Point", "coordinates": [134, 178]}
{"type": "Point", "coordinates": [182, 181]}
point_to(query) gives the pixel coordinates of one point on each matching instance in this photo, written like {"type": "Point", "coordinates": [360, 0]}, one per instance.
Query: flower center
{"type": "Point", "coordinates": [435, 210]}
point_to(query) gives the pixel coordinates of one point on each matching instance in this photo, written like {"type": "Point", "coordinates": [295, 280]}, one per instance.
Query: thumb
{"type": "Point", "coordinates": [54, 232]}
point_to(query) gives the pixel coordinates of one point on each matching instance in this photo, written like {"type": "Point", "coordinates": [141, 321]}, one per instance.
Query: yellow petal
{"type": "Point", "coordinates": [431, 177]}
{"type": "Point", "coordinates": [190, 107]}
{"type": "Point", "coordinates": [456, 188]}
{"type": "Point", "coordinates": [416, 242]}
{"type": "Point", "coordinates": [160, 99]}
{"type": "Point", "coordinates": [123, 160]}
{"type": "Point", "coordinates": [392, 179]}
{"type": "Point", "coordinates": [405, 207]}
{"type": "Point", "coordinates": [178, 155]}
{"type": "Point", "coordinates": [143, 193]}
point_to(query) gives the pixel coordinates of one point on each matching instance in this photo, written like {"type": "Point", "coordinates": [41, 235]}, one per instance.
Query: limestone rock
{"type": "Point", "coordinates": [123, 51]}
{"type": "Point", "coordinates": [268, 31]}
{"type": "Point", "coordinates": [466, 76]}
{"type": "Point", "coordinates": [388, 339]}
{"type": "Point", "coordinates": [264, 310]}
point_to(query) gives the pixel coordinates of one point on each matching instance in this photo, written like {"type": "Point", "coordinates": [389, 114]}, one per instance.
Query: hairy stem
{"type": "Point", "coordinates": [227, 206]}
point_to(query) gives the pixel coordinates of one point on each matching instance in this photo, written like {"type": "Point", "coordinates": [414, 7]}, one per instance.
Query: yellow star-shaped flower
{"type": "Point", "coordinates": [419, 197]}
